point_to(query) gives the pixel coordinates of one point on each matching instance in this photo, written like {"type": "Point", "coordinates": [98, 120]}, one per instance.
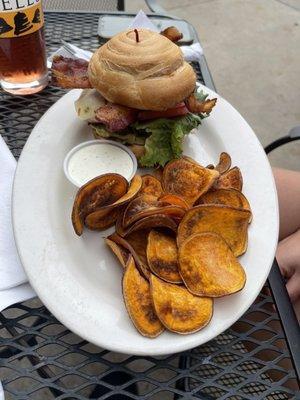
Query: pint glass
{"type": "Point", "coordinates": [23, 68]}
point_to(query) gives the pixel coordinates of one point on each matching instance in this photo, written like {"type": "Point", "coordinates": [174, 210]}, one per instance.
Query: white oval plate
{"type": "Point", "coordinates": [78, 278]}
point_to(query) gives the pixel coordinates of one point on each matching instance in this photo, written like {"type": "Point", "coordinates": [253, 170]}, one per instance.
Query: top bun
{"type": "Point", "coordinates": [148, 75]}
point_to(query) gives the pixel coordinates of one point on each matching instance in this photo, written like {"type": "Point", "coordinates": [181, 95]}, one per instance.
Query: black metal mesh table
{"type": "Point", "coordinates": [41, 359]}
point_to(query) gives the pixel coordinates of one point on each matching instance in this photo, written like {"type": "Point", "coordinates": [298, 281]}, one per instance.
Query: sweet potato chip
{"type": "Point", "coordinates": [157, 173]}
{"type": "Point", "coordinates": [229, 222]}
{"type": "Point", "coordinates": [146, 205]}
{"type": "Point", "coordinates": [98, 192]}
{"type": "Point", "coordinates": [227, 197]}
{"type": "Point", "coordinates": [174, 212]}
{"type": "Point", "coordinates": [136, 244]}
{"type": "Point", "coordinates": [133, 190]}
{"type": "Point", "coordinates": [162, 256]}
{"type": "Point", "coordinates": [138, 301]}
{"type": "Point", "coordinates": [136, 206]}
{"type": "Point", "coordinates": [120, 230]}
{"type": "Point", "coordinates": [232, 179]}
{"type": "Point", "coordinates": [147, 223]}
{"type": "Point", "coordinates": [178, 309]}
{"type": "Point", "coordinates": [120, 252]}
{"type": "Point", "coordinates": [224, 163]}
{"type": "Point", "coordinates": [188, 180]}
{"type": "Point", "coordinates": [102, 219]}
{"type": "Point", "coordinates": [208, 266]}
{"type": "Point", "coordinates": [151, 185]}
{"type": "Point", "coordinates": [138, 241]}
{"type": "Point", "coordinates": [174, 200]}
{"type": "Point", "coordinates": [101, 212]}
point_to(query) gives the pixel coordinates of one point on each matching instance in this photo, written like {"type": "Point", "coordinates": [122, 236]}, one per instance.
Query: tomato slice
{"type": "Point", "coordinates": [176, 111]}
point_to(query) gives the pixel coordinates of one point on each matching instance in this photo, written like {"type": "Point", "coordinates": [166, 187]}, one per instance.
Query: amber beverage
{"type": "Point", "coordinates": [23, 68]}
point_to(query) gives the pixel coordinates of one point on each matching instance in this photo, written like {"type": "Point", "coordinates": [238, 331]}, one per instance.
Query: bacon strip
{"type": "Point", "coordinates": [172, 33]}
{"type": "Point", "coordinates": [195, 106]}
{"type": "Point", "coordinates": [70, 73]}
{"type": "Point", "coordinates": [116, 117]}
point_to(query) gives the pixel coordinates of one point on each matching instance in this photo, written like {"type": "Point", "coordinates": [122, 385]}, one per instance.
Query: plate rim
{"type": "Point", "coordinates": [129, 349]}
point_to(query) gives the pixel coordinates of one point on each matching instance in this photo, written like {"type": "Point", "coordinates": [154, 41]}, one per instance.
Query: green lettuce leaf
{"type": "Point", "coordinates": [158, 150]}
{"type": "Point", "coordinates": [165, 138]}
{"type": "Point", "coordinates": [181, 128]}
{"type": "Point", "coordinates": [177, 140]}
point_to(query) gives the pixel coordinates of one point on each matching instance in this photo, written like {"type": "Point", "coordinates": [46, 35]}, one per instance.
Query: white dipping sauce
{"type": "Point", "coordinates": [97, 159]}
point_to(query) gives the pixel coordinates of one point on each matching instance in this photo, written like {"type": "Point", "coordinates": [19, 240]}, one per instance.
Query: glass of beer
{"type": "Point", "coordinates": [23, 67]}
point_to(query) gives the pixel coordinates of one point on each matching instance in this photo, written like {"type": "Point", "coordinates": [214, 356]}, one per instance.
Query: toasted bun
{"type": "Point", "coordinates": [148, 75]}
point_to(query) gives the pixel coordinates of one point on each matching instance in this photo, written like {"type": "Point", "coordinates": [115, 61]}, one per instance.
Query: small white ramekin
{"type": "Point", "coordinates": [99, 142]}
